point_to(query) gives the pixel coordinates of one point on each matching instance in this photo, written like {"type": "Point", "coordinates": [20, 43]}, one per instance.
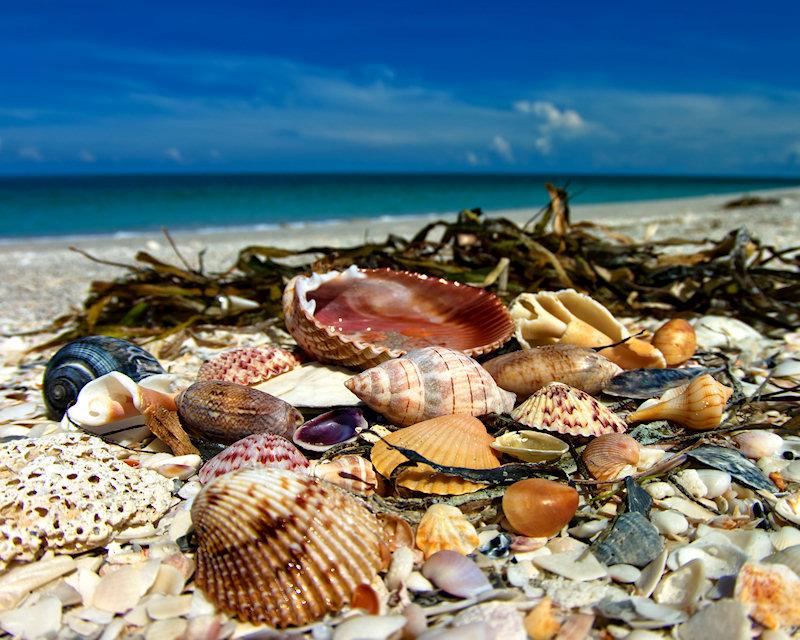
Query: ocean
{"type": "Point", "coordinates": [88, 205]}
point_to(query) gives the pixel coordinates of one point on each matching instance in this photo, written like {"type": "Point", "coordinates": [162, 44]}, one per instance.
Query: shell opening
{"type": "Point", "coordinates": [305, 285]}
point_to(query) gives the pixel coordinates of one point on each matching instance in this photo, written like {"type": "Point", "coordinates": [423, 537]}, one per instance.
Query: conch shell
{"type": "Point", "coordinates": [445, 527]}
{"type": "Point", "coordinates": [569, 317]}
{"type": "Point", "coordinates": [607, 456]}
{"type": "Point", "coordinates": [676, 339]}
{"type": "Point", "coordinates": [427, 383]}
{"type": "Point", "coordinates": [697, 405]}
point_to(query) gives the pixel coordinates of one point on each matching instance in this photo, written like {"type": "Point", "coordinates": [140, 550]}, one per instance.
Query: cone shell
{"type": "Point", "coordinates": [676, 340]}
{"type": "Point", "coordinates": [427, 383]}
{"type": "Point", "coordinates": [697, 405]}
{"type": "Point", "coordinates": [248, 365]}
{"type": "Point", "coordinates": [456, 441]}
{"type": "Point", "coordinates": [606, 456]}
{"type": "Point", "coordinates": [569, 317]}
{"type": "Point", "coordinates": [537, 508]}
{"type": "Point", "coordinates": [444, 527]}
{"type": "Point", "coordinates": [558, 407]}
{"type": "Point", "coordinates": [362, 317]}
{"type": "Point", "coordinates": [257, 450]}
{"type": "Point", "coordinates": [349, 472]}
{"type": "Point", "coordinates": [524, 372]}
{"type": "Point", "coordinates": [281, 548]}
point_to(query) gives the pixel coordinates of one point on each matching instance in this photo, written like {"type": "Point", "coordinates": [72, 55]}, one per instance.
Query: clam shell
{"type": "Point", "coordinates": [256, 450]}
{"type": "Point", "coordinates": [758, 443]}
{"type": "Point", "coordinates": [558, 407]}
{"type": "Point", "coordinates": [362, 317]}
{"type": "Point", "coordinates": [281, 548]}
{"type": "Point", "coordinates": [427, 383]}
{"type": "Point", "coordinates": [445, 527]}
{"type": "Point", "coordinates": [650, 383]}
{"type": "Point", "coordinates": [226, 412]}
{"type": "Point", "coordinates": [329, 429]}
{"type": "Point", "coordinates": [538, 508]}
{"type": "Point", "coordinates": [457, 441]}
{"type": "Point", "coordinates": [248, 365]}
{"type": "Point", "coordinates": [607, 455]}
{"type": "Point", "coordinates": [349, 472]}
{"type": "Point", "coordinates": [530, 446]}
{"type": "Point", "coordinates": [676, 340]}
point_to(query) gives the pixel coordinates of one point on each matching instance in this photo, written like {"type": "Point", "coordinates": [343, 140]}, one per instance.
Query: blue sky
{"type": "Point", "coordinates": [594, 87]}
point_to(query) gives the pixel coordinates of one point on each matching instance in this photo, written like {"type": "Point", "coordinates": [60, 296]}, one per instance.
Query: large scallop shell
{"type": "Point", "coordinates": [569, 317]}
{"type": "Point", "coordinates": [445, 527]}
{"type": "Point", "coordinates": [362, 317]}
{"type": "Point", "coordinates": [455, 441]}
{"type": "Point", "coordinates": [281, 548]}
{"type": "Point", "coordinates": [248, 365]}
{"type": "Point", "coordinates": [257, 450]}
{"type": "Point", "coordinates": [606, 456]}
{"type": "Point", "coordinates": [427, 383]}
{"type": "Point", "coordinates": [558, 407]}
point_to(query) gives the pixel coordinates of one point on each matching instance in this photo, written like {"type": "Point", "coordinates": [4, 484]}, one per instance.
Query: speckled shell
{"type": "Point", "coordinates": [362, 317]}
{"type": "Point", "coordinates": [676, 340]}
{"type": "Point", "coordinates": [607, 455]}
{"type": "Point", "coordinates": [257, 450]}
{"type": "Point", "coordinates": [560, 408]}
{"type": "Point", "coordinates": [226, 412]}
{"type": "Point", "coordinates": [350, 472]}
{"type": "Point", "coordinates": [248, 365]}
{"type": "Point", "coordinates": [445, 527]}
{"type": "Point", "coordinates": [427, 383]}
{"type": "Point", "coordinates": [281, 548]}
{"type": "Point", "coordinates": [457, 441]}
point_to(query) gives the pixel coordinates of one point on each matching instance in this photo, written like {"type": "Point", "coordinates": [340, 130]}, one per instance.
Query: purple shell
{"type": "Point", "coordinates": [257, 450]}
{"type": "Point", "coordinates": [456, 574]}
{"type": "Point", "coordinates": [329, 429]}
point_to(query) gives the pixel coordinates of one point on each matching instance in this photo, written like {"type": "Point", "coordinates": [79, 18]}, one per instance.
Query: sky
{"type": "Point", "coordinates": [700, 88]}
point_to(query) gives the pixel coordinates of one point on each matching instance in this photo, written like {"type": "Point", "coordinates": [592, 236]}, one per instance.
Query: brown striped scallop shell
{"type": "Point", "coordinates": [279, 548]}
{"type": "Point", "coordinates": [607, 455]}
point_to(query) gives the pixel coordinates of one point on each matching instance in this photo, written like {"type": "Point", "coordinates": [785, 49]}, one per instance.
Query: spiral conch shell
{"type": "Point", "coordinates": [697, 405]}
{"type": "Point", "coordinates": [281, 548]}
{"type": "Point", "coordinates": [427, 383]}
{"type": "Point", "coordinates": [445, 527]}
{"type": "Point", "coordinates": [569, 317]}
{"type": "Point", "coordinates": [607, 456]}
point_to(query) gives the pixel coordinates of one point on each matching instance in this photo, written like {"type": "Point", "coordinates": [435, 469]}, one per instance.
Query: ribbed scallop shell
{"type": "Point", "coordinates": [456, 441]}
{"type": "Point", "coordinates": [676, 340]}
{"type": "Point", "coordinates": [257, 450]}
{"type": "Point", "coordinates": [349, 472]}
{"type": "Point", "coordinates": [362, 317]}
{"type": "Point", "coordinates": [607, 455]}
{"type": "Point", "coordinates": [281, 548]}
{"type": "Point", "coordinates": [558, 407]}
{"type": "Point", "coordinates": [427, 383]}
{"type": "Point", "coordinates": [248, 365]}
{"type": "Point", "coordinates": [444, 527]}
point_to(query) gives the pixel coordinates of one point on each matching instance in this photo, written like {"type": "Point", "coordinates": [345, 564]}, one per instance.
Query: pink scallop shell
{"type": "Point", "coordinates": [257, 450]}
{"type": "Point", "coordinates": [248, 365]}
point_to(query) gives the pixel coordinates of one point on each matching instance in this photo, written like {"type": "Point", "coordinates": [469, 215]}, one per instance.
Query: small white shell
{"type": "Point", "coordinates": [716, 482]}
{"type": "Point", "coordinates": [669, 523]}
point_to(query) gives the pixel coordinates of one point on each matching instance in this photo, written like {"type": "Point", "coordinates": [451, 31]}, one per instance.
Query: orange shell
{"type": "Point", "coordinates": [456, 441]}
{"type": "Point", "coordinates": [676, 339]}
{"type": "Point", "coordinates": [607, 455]}
{"type": "Point", "coordinates": [362, 317]}
{"type": "Point", "coordinates": [772, 591]}
{"type": "Point", "coordinates": [538, 508]}
{"type": "Point", "coordinates": [445, 527]}
{"type": "Point", "coordinates": [350, 472]}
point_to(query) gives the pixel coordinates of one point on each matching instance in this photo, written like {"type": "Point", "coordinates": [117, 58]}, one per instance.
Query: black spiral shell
{"type": "Point", "coordinates": [85, 359]}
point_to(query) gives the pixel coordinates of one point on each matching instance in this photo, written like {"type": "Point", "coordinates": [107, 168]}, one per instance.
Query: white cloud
{"type": "Point", "coordinates": [472, 159]}
{"type": "Point", "coordinates": [30, 153]}
{"type": "Point", "coordinates": [544, 145]}
{"type": "Point", "coordinates": [502, 147]}
{"type": "Point", "coordinates": [86, 156]}
{"type": "Point", "coordinates": [174, 154]}
{"type": "Point", "coordinates": [555, 122]}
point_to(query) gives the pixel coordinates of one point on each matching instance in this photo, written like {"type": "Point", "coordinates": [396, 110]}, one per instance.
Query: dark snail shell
{"type": "Point", "coordinates": [83, 360]}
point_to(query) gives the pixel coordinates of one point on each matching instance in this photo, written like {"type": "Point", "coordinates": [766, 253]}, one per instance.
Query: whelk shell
{"type": "Point", "coordinates": [248, 365]}
{"type": "Point", "coordinates": [350, 472]}
{"type": "Point", "coordinates": [282, 548]}
{"type": "Point", "coordinates": [607, 456]}
{"type": "Point", "coordinates": [558, 407]}
{"type": "Point", "coordinates": [427, 383]}
{"type": "Point", "coordinates": [444, 527]}
{"type": "Point", "coordinates": [538, 508]}
{"type": "Point", "coordinates": [362, 317]}
{"type": "Point", "coordinates": [676, 340]}
{"type": "Point", "coordinates": [256, 450]}
{"type": "Point", "coordinates": [530, 446]}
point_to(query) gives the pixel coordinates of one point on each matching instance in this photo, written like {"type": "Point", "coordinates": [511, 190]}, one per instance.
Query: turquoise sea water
{"type": "Point", "coordinates": [83, 205]}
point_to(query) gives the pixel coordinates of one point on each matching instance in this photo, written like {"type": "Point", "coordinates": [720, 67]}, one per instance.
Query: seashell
{"type": "Point", "coordinates": [670, 523]}
{"type": "Point", "coordinates": [541, 623]}
{"type": "Point", "coordinates": [77, 363]}
{"type": "Point", "coordinates": [530, 446]}
{"type": "Point", "coordinates": [370, 627]}
{"type": "Point", "coordinates": [771, 590]}
{"type": "Point", "coordinates": [281, 548]}
{"type": "Point", "coordinates": [716, 482]}
{"type": "Point", "coordinates": [253, 451]}
{"type": "Point", "coordinates": [758, 443]}
{"type": "Point", "coordinates": [40, 620]}
{"type": "Point", "coordinates": [576, 564]}
{"type": "Point", "coordinates": [524, 372]}
{"type": "Point", "coordinates": [788, 507]}
{"type": "Point", "coordinates": [350, 472]}
{"type": "Point", "coordinates": [121, 590]}
{"type": "Point", "coordinates": [790, 556]}
{"type": "Point", "coordinates": [698, 405]}
{"type": "Point", "coordinates": [721, 332]}
{"type": "Point", "coordinates": [734, 463]}
{"type": "Point", "coordinates": [650, 383]}
{"type": "Point", "coordinates": [538, 508]}
{"type": "Point", "coordinates": [569, 317]}
{"type": "Point", "coordinates": [362, 317]}
{"type": "Point", "coordinates": [226, 412]}
{"type": "Point", "coordinates": [248, 365]}
{"type": "Point", "coordinates": [329, 429]}
{"type": "Point", "coordinates": [17, 583]}
{"type": "Point", "coordinates": [314, 385]}
{"type": "Point", "coordinates": [427, 383]}
{"type": "Point", "coordinates": [557, 407]}
{"type": "Point", "coordinates": [455, 574]}
{"type": "Point", "coordinates": [609, 454]}
{"type": "Point", "coordinates": [456, 441]}
{"type": "Point", "coordinates": [683, 588]}
{"type": "Point", "coordinates": [445, 527]}
{"type": "Point", "coordinates": [633, 539]}
{"type": "Point", "coordinates": [498, 546]}
{"type": "Point", "coordinates": [786, 537]}
{"type": "Point", "coordinates": [400, 568]}
{"type": "Point", "coordinates": [676, 340]}
{"type": "Point", "coordinates": [396, 532]}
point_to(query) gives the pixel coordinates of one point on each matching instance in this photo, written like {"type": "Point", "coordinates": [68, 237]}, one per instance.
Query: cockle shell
{"type": "Point", "coordinates": [81, 361]}
{"type": "Point", "coordinates": [538, 508]}
{"type": "Point", "coordinates": [226, 412]}
{"type": "Point", "coordinates": [524, 372]}
{"type": "Point", "coordinates": [349, 472]}
{"type": "Point", "coordinates": [329, 429]}
{"type": "Point", "coordinates": [444, 527]}
{"type": "Point", "coordinates": [530, 446]}
{"type": "Point", "coordinates": [362, 317]}
{"type": "Point", "coordinates": [697, 405]}
{"type": "Point", "coordinates": [256, 450]}
{"type": "Point", "coordinates": [281, 548]}
{"type": "Point", "coordinates": [248, 365]}
{"type": "Point", "coordinates": [569, 317]}
{"type": "Point", "coordinates": [456, 441]}
{"type": "Point", "coordinates": [558, 407]}
{"type": "Point", "coordinates": [676, 340]}
{"type": "Point", "coordinates": [427, 383]}
{"type": "Point", "coordinates": [607, 456]}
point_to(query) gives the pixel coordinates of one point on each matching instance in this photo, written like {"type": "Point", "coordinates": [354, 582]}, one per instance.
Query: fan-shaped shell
{"type": "Point", "coordinates": [569, 317]}
{"type": "Point", "coordinates": [530, 446]}
{"type": "Point", "coordinates": [427, 383]}
{"type": "Point", "coordinates": [444, 527]}
{"type": "Point", "coordinates": [558, 407]}
{"type": "Point", "coordinates": [362, 317]}
{"type": "Point", "coordinates": [257, 450]}
{"type": "Point", "coordinates": [248, 365]}
{"type": "Point", "coordinates": [455, 441]}
{"type": "Point", "coordinates": [349, 472]}
{"type": "Point", "coordinates": [281, 548]}
{"type": "Point", "coordinates": [77, 363]}
{"type": "Point", "coordinates": [676, 340]}
{"type": "Point", "coordinates": [606, 456]}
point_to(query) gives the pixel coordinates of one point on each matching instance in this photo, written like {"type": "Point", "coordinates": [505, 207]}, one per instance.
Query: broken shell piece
{"type": "Point", "coordinates": [397, 532]}
{"type": "Point", "coordinates": [530, 446]}
{"type": "Point", "coordinates": [611, 456]}
{"type": "Point", "coordinates": [16, 583]}
{"type": "Point", "coordinates": [349, 472]}
{"type": "Point", "coordinates": [313, 385]}
{"type": "Point", "coordinates": [789, 556]}
{"type": "Point", "coordinates": [445, 527]}
{"type": "Point", "coordinates": [788, 507]}
{"type": "Point", "coordinates": [257, 450]}
{"type": "Point", "coordinates": [772, 590]}
{"type": "Point", "coordinates": [537, 507]}
{"type": "Point", "coordinates": [121, 590]}
{"type": "Point", "coordinates": [329, 429]}
{"type": "Point", "coordinates": [248, 365]}
{"type": "Point", "coordinates": [676, 340]}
